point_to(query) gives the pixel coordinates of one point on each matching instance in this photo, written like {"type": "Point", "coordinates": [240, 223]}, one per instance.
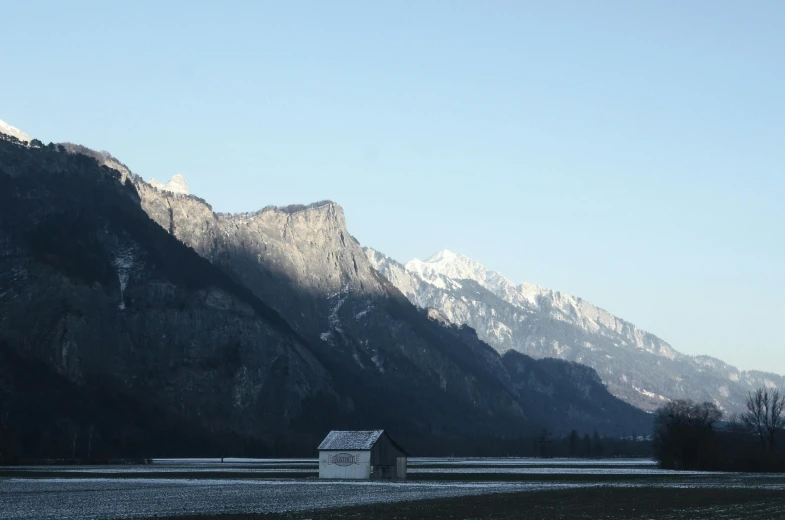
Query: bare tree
{"type": "Point", "coordinates": [764, 416]}
{"type": "Point", "coordinates": [684, 434]}
{"type": "Point", "coordinates": [776, 421]}
{"type": "Point", "coordinates": [754, 418]}
{"type": "Point", "coordinates": [706, 414]}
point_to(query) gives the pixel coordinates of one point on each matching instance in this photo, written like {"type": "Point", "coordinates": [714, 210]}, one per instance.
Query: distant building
{"type": "Point", "coordinates": [361, 455]}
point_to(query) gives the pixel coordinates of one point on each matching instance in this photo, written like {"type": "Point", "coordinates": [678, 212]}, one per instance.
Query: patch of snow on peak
{"type": "Point", "coordinates": [7, 129]}
{"type": "Point", "coordinates": [444, 255]}
{"type": "Point", "coordinates": [452, 265]}
{"type": "Point", "coordinates": [176, 184]}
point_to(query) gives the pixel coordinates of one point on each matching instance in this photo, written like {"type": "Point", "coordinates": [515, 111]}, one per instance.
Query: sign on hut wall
{"type": "Point", "coordinates": [343, 459]}
{"type": "Point", "coordinates": [345, 464]}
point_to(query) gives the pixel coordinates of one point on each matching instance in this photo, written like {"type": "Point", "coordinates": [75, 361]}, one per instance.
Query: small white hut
{"type": "Point", "coordinates": [370, 454]}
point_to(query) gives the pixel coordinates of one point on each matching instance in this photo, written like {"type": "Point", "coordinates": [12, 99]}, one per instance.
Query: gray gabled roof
{"type": "Point", "coordinates": [350, 440]}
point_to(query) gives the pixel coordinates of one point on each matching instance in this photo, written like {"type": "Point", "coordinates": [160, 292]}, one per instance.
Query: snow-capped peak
{"type": "Point", "coordinates": [445, 255]}
{"type": "Point", "coordinates": [7, 129]}
{"type": "Point", "coordinates": [636, 365]}
{"type": "Point", "coordinates": [176, 184]}
{"type": "Point", "coordinates": [453, 265]}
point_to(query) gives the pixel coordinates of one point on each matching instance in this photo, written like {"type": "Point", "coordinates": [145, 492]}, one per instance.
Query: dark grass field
{"type": "Point", "coordinates": [581, 503]}
{"type": "Point", "coordinates": [437, 488]}
{"type": "Point", "coordinates": [120, 475]}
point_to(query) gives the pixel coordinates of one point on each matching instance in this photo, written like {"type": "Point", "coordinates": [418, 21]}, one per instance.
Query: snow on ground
{"type": "Point", "coordinates": [553, 471]}
{"type": "Point", "coordinates": [115, 492]}
{"type": "Point", "coordinates": [144, 498]}
{"type": "Point", "coordinates": [236, 460]}
{"type": "Point", "coordinates": [162, 471]}
{"type": "Point", "coordinates": [527, 461]}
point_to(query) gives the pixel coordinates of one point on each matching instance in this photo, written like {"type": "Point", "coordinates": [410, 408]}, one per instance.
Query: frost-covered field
{"type": "Point", "coordinates": [202, 486]}
{"type": "Point", "coordinates": [550, 470]}
{"type": "Point", "coordinates": [143, 498]}
{"type": "Point", "coordinates": [32, 471]}
{"type": "Point", "coordinates": [234, 460]}
{"type": "Point", "coordinates": [527, 461]}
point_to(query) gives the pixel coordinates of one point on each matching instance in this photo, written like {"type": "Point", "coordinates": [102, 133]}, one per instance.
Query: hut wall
{"type": "Point", "coordinates": [345, 464]}
{"type": "Point", "coordinates": [385, 453]}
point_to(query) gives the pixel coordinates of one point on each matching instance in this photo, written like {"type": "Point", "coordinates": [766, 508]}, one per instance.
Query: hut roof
{"type": "Point", "coordinates": [350, 440]}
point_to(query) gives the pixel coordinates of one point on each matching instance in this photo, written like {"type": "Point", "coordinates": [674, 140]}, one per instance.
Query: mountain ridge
{"type": "Point", "coordinates": [546, 323]}
{"type": "Point", "coordinates": [260, 329]}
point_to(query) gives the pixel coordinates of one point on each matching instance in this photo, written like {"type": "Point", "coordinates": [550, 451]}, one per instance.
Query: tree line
{"type": "Point", "coordinates": [692, 436]}
{"type": "Point", "coordinates": [543, 443]}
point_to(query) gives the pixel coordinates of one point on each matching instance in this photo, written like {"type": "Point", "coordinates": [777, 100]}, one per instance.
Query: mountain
{"type": "Point", "coordinates": [137, 313]}
{"type": "Point", "coordinates": [635, 365]}
{"type": "Point", "coordinates": [304, 263]}
{"type": "Point", "coordinates": [110, 314]}
{"type": "Point", "coordinates": [14, 132]}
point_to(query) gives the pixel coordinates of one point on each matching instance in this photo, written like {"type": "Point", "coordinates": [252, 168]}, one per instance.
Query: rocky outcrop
{"type": "Point", "coordinates": [176, 185]}
{"type": "Point", "coordinates": [635, 365]}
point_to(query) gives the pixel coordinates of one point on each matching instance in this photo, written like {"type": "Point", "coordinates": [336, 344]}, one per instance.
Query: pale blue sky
{"type": "Point", "coordinates": [631, 153]}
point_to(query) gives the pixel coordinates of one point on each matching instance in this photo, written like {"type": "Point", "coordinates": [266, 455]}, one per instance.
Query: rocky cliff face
{"type": "Point", "coordinates": [102, 297]}
{"type": "Point", "coordinates": [635, 365]}
{"type": "Point", "coordinates": [302, 261]}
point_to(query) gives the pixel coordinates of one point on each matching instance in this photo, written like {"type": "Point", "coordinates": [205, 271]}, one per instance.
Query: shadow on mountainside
{"type": "Point", "coordinates": [144, 341]}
